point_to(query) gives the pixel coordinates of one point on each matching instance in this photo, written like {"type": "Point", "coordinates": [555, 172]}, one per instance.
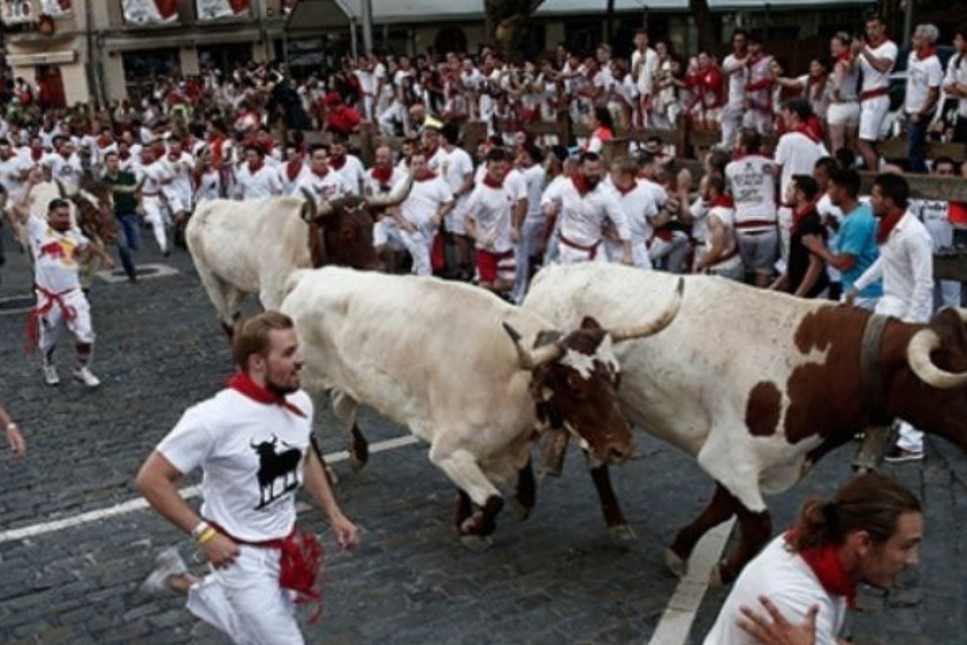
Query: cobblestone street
{"type": "Point", "coordinates": [556, 578]}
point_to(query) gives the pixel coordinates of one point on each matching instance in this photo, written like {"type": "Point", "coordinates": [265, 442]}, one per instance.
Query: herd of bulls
{"type": "Point", "coordinates": [756, 385]}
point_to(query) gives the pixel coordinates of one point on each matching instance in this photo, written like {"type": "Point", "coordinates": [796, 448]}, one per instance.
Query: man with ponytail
{"type": "Point", "coordinates": [797, 591]}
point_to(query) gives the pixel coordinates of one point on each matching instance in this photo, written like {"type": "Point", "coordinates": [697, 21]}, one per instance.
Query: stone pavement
{"type": "Point", "coordinates": [557, 578]}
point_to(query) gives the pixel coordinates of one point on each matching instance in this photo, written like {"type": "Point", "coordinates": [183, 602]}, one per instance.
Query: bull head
{"type": "Point", "coordinates": [311, 211]}
{"type": "Point", "coordinates": [530, 359]}
{"type": "Point", "coordinates": [923, 343]}
{"type": "Point", "coordinates": [395, 198]}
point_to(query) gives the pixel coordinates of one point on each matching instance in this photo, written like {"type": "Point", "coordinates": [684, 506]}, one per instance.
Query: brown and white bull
{"type": "Point", "coordinates": [756, 385]}
{"type": "Point", "coordinates": [466, 372]}
{"type": "Point", "coordinates": [248, 247]}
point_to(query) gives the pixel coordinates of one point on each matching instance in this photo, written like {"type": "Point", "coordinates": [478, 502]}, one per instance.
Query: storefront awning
{"type": "Point", "coordinates": [781, 5]}
{"type": "Point", "coordinates": [331, 14]}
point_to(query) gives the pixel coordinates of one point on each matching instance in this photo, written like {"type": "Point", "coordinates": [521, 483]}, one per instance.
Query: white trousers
{"type": "Point", "coordinates": [910, 438]}
{"type": "Point", "coordinates": [53, 321]}
{"type": "Point", "coordinates": [245, 601]}
{"type": "Point", "coordinates": [417, 244]}
{"type": "Point", "coordinates": [154, 217]}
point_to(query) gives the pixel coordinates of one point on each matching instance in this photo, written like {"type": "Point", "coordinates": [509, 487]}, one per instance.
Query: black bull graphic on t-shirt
{"type": "Point", "coordinates": [274, 466]}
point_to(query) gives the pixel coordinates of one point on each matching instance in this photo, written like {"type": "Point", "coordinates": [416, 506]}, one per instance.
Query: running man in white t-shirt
{"type": "Point", "coordinates": [252, 443]}
{"type": "Point", "coordinates": [57, 249]}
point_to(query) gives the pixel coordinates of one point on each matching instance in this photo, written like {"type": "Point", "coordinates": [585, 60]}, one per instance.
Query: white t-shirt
{"type": "Point", "coordinates": [263, 183]}
{"type": "Point", "coordinates": [152, 175]}
{"type": "Point", "coordinates": [491, 209]}
{"type": "Point", "coordinates": [957, 73]}
{"type": "Point", "coordinates": [372, 186]}
{"type": "Point", "coordinates": [827, 210]}
{"type": "Point", "coordinates": [67, 171]}
{"type": "Point", "coordinates": [534, 178]}
{"type": "Point", "coordinates": [872, 78]}
{"type": "Point", "coordinates": [639, 205]}
{"type": "Point", "coordinates": [455, 167]}
{"type": "Point", "coordinates": [797, 154]}
{"type": "Point", "coordinates": [55, 261]}
{"type": "Point", "coordinates": [353, 173]}
{"type": "Point", "coordinates": [582, 217]}
{"type": "Point", "coordinates": [208, 186]}
{"type": "Point", "coordinates": [289, 185]}
{"type": "Point", "coordinates": [737, 79]}
{"type": "Point", "coordinates": [11, 171]}
{"type": "Point", "coordinates": [752, 182]}
{"type": "Point", "coordinates": [922, 75]}
{"type": "Point", "coordinates": [647, 68]}
{"type": "Point", "coordinates": [252, 457]}
{"type": "Point", "coordinates": [325, 188]}
{"type": "Point", "coordinates": [424, 200]}
{"type": "Point", "coordinates": [180, 171]}
{"type": "Point", "coordinates": [785, 579]}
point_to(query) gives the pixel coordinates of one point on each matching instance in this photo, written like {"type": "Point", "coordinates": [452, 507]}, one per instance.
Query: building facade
{"type": "Point", "coordinates": [109, 50]}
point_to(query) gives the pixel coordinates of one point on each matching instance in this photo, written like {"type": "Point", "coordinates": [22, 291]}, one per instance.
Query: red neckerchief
{"type": "Point", "coordinates": [725, 201]}
{"type": "Point", "coordinates": [580, 183]}
{"type": "Point", "coordinates": [336, 163]}
{"type": "Point", "coordinates": [603, 133]}
{"type": "Point", "coordinates": [887, 224]}
{"type": "Point", "coordinates": [65, 157]}
{"type": "Point", "coordinates": [382, 175]}
{"type": "Point", "coordinates": [800, 214]}
{"type": "Point", "coordinates": [431, 152]}
{"type": "Point", "coordinates": [174, 159]}
{"type": "Point", "coordinates": [927, 53]}
{"type": "Point", "coordinates": [124, 155]}
{"type": "Point", "coordinates": [103, 142]}
{"type": "Point", "coordinates": [254, 168]}
{"type": "Point", "coordinates": [625, 191]}
{"type": "Point", "coordinates": [828, 567]}
{"type": "Point", "coordinates": [846, 57]}
{"type": "Point", "coordinates": [243, 383]}
{"type": "Point", "coordinates": [424, 175]}
{"type": "Point", "coordinates": [742, 57]}
{"type": "Point", "coordinates": [292, 169]}
{"type": "Point", "coordinates": [491, 182]}
{"type": "Point", "coordinates": [320, 175]}
{"type": "Point", "coordinates": [37, 155]}
{"type": "Point", "coordinates": [812, 128]}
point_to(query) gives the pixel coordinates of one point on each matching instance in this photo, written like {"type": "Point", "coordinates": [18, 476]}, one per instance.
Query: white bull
{"type": "Point", "coordinates": [433, 355]}
{"type": "Point", "coordinates": [241, 248]}
{"type": "Point", "coordinates": [757, 385]}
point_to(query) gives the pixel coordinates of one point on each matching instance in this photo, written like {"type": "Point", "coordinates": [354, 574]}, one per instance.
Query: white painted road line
{"type": "Point", "coordinates": [676, 622]}
{"type": "Point", "coordinates": [140, 503]}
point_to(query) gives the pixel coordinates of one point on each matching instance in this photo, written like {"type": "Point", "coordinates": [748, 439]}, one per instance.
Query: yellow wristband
{"type": "Point", "coordinates": [207, 536]}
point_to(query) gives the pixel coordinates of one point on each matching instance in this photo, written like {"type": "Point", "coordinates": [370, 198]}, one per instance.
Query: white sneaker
{"type": "Point", "coordinates": [168, 563]}
{"type": "Point", "coordinates": [86, 376]}
{"type": "Point", "coordinates": [50, 375]}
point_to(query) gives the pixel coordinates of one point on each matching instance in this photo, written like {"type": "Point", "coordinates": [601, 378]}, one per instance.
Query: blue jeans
{"type": "Point", "coordinates": [916, 144]}
{"type": "Point", "coordinates": [129, 240]}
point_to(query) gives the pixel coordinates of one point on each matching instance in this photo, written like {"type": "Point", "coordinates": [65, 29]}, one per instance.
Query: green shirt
{"type": "Point", "coordinates": [124, 203]}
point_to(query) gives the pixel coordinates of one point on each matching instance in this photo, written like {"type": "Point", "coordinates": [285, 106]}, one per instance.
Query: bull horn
{"type": "Point", "coordinates": [394, 198]}
{"type": "Point", "coordinates": [531, 359]}
{"type": "Point", "coordinates": [918, 356]}
{"type": "Point", "coordinates": [311, 211]}
{"type": "Point", "coordinates": [652, 326]}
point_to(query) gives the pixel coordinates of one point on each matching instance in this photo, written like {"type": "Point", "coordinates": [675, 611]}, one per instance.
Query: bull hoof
{"type": "Point", "coordinates": [675, 563]}
{"type": "Point", "coordinates": [520, 510]}
{"type": "Point", "coordinates": [622, 533]}
{"type": "Point", "coordinates": [357, 462]}
{"type": "Point", "coordinates": [477, 543]}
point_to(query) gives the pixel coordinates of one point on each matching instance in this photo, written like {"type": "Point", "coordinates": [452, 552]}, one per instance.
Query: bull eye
{"type": "Point", "coordinates": [576, 385]}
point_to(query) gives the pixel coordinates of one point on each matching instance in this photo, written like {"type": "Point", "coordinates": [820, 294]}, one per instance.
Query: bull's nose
{"type": "Point", "coordinates": [618, 454]}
